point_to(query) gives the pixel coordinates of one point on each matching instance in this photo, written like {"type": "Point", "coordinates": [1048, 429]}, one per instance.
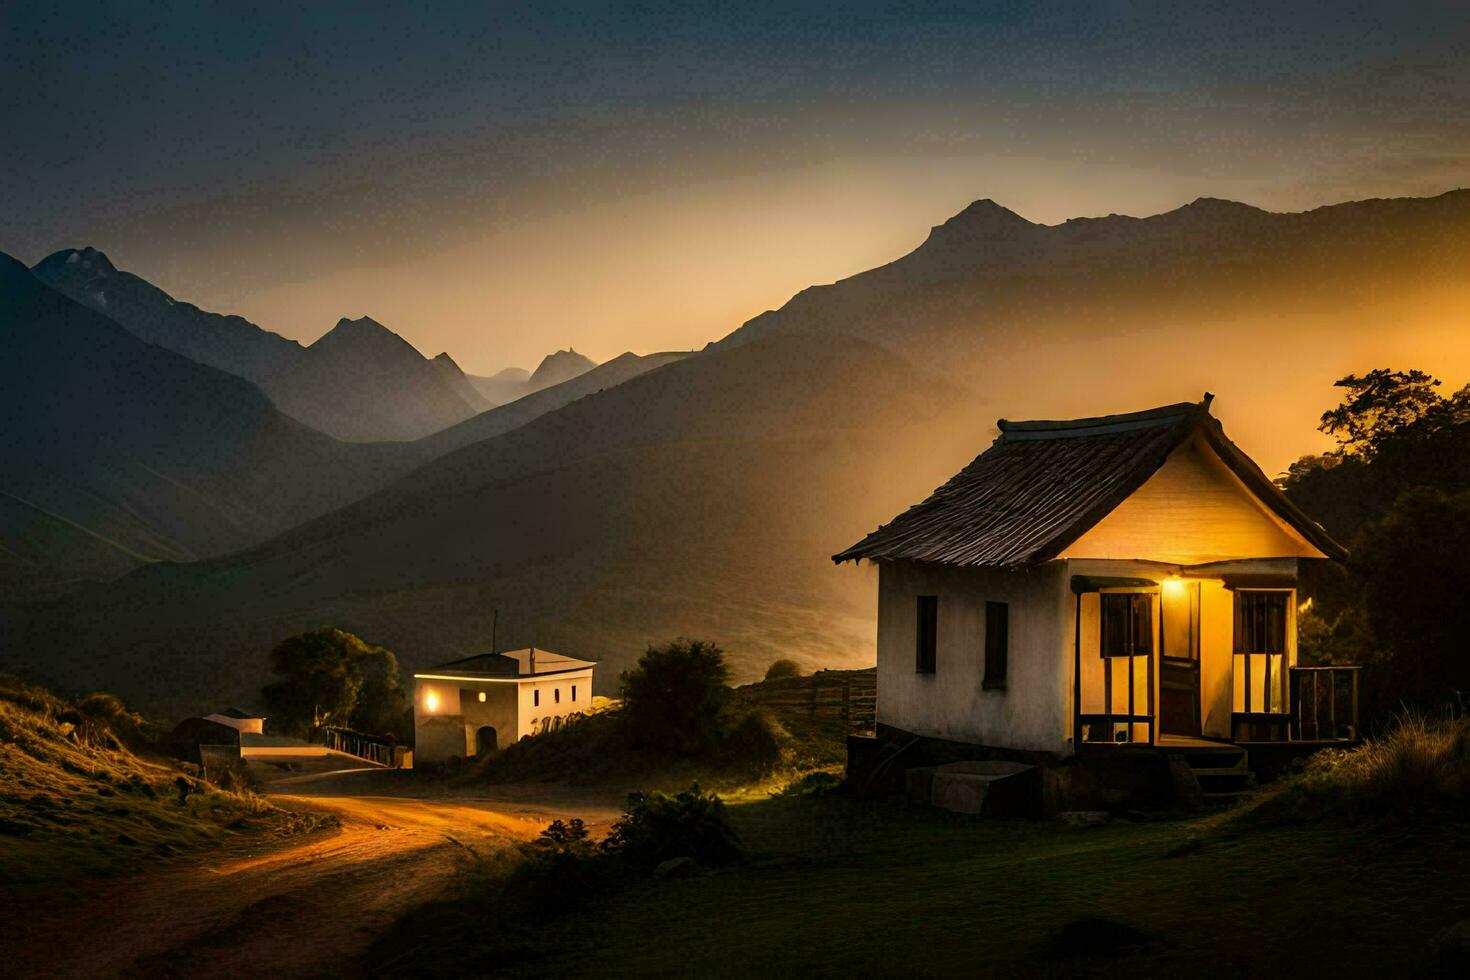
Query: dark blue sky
{"type": "Point", "coordinates": [261, 159]}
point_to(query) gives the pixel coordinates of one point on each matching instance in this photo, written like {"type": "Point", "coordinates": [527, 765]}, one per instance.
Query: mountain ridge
{"type": "Point", "coordinates": [359, 382]}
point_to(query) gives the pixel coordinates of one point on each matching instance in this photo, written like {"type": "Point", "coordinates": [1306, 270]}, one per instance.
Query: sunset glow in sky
{"type": "Point", "coordinates": [513, 180]}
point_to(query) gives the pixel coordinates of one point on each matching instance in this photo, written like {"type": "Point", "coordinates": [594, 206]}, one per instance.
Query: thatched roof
{"type": "Point", "coordinates": [1042, 485]}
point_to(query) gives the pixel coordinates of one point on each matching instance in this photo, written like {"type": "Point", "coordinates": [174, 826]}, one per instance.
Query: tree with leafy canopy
{"type": "Point", "coordinates": [331, 677]}
{"type": "Point", "coordinates": [1385, 405]}
{"type": "Point", "coordinates": [672, 698]}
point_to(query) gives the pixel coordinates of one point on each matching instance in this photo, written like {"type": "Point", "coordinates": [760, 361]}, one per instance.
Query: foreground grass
{"type": "Point", "coordinates": [76, 802]}
{"type": "Point", "coordinates": [836, 886]}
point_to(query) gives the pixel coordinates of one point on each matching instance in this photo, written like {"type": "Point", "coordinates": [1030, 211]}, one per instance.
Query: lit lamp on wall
{"type": "Point", "coordinates": [1174, 586]}
{"type": "Point", "coordinates": [431, 702]}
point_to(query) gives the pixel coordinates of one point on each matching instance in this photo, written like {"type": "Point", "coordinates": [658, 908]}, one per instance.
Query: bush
{"type": "Point", "coordinates": [1418, 768]}
{"type": "Point", "coordinates": [812, 784]}
{"type": "Point", "coordinates": [782, 669]}
{"type": "Point", "coordinates": [657, 827]}
{"type": "Point", "coordinates": [756, 743]}
{"type": "Point", "coordinates": [672, 698]}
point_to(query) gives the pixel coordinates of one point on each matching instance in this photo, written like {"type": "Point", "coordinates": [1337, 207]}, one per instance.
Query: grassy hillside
{"type": "Point", "coordinates": [703, 498]}
{"type": "Point", "coordinates": [76, 801]}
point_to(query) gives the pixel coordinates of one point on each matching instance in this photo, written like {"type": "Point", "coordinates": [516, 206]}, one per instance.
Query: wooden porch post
{"type": "Point", "coordinates": [1077, 678]}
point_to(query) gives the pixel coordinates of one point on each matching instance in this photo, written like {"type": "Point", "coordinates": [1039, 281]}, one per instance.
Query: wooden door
{"type": "Point", "coordinates": [1179, 676]}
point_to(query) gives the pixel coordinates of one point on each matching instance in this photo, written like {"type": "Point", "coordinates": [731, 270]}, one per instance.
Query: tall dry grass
{"type": "Point", "coordinates": [1420, 766]}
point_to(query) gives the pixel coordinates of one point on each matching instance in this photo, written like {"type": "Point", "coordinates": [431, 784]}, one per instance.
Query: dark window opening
{"type": "Point", "coordinates": [997, 645]}
{"type": "Point", "coordinates": [927, 642]}
{"type": "Point", "coordinates": [1127, 624]}
{"type": "Point", "coordinates": [1260, 621]}
{"type": "Point", "coordinates": [556, 695]}
{"type": "Point", "coordinates": [574, 692]}
{"type": "Point", "coordinates": [536, 699]}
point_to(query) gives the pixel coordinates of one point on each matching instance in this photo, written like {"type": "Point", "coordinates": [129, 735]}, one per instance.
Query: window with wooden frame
{"type": "Point", "coordinates": [1127, 624]}
{"type": "Point", "coordinates": [997, 645]}
{"type": "Point", "coordinates": [926, 643]}
{"type": "Point", "coordinates": [1260, 621]}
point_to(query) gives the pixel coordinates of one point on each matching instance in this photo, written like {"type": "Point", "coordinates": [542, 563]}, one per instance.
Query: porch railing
{"type": "Point", "coordinates": [1318, 711]}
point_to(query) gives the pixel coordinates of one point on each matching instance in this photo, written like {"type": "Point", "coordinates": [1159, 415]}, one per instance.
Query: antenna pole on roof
{"type": "Point", "coordinates": [494, 622]}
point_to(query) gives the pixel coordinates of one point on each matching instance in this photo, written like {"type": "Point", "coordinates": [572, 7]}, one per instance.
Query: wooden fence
{"type": "Point", "coordinates": [849, 695]}
{"type": "Point", "coordinates": [373, 748]}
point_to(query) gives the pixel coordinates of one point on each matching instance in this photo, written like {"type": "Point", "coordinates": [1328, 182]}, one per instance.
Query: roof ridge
{"type": "Point", "coordinates": [1120, 422]}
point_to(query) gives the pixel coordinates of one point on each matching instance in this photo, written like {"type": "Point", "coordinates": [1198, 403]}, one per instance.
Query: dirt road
{"type": "Point", "coordinates": [292, 908]}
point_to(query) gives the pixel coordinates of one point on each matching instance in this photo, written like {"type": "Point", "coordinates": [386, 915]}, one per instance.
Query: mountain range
{"type": "Point", "coordinates": [118, 452]}
{"type": "Point", "coordinates": [360, 381]}
{"type": "Point", "coordinates": [703, 495]}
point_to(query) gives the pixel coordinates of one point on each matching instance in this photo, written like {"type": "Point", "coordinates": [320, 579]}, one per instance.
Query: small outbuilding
{"type": "Point", "coordinates": [242, 721]}
{"type": "Point", "coordinates": [484, 703]}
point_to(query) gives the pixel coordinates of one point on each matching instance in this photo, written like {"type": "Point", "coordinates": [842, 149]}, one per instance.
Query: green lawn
{"type": "Point", "coordinates": [836, 886]}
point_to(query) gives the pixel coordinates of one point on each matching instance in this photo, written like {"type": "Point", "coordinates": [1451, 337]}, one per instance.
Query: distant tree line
{"type": "Point", "coordinates": [1396, 491]}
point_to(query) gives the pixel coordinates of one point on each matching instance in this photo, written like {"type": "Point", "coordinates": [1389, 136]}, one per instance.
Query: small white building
{"type": "Point", "coordinates": [1123, 580]}
{"type": "Point", "coordinates": [484, 703]}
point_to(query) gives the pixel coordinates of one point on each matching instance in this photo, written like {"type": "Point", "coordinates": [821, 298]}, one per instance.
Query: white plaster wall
{"type": "Point", "coordinates": [1033, 713]}
{"type": "Point", "coordinates": [534, 717]}
{"type": "Point", "coordinates": [439, 734]}
{"type": "Point", "coordinates": [498, 710]}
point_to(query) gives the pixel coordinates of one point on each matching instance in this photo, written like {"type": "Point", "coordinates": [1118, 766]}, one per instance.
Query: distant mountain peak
{"type": "Point", "coordinates": [1217, 207]}
{"type": "Point", "coordinates": [559, 366]}
{"type": "Point", "coordinates": [92, 259]}
{"type": "Point", "coordinates": [363, 332]}
{"type": "Point", "coordinates": [982, 222]}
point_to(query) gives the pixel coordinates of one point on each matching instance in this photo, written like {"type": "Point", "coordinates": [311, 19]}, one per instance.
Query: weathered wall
{"type": "Point", "coordinates": [535, 718]}
{"type": "Point", "coordinates": [1032, 713]}
{"type": "Point", "coordinates": [498, 710]}
{"type": "Point", "coordinates": [1193, 510]}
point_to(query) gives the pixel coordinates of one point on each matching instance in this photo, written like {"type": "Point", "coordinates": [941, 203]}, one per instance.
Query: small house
{"type": "Point", "coordinates": [484, 703]}
{"type": "Point", "coordinates": [1121, 581]}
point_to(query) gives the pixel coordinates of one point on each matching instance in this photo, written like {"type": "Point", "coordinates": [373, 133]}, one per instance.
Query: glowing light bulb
{"type": "Point", "coordinates": [431, 702]}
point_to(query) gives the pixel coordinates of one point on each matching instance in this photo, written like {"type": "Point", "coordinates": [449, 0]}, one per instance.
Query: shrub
{"type": "Point", "coordinates": [657, 827]}
{"type": "Point", "coordinates": [1418, 767]}
{"type": "Point", "coordinates": [812, 784]}
{"type": "Point", "coordinates": [672, 698]}
{"type": "Point", "coordinates": [756, 743]}
{"type": "Point", "coordinates": [782, 669]}
{"type": "Point", "coordinates": [106, 711]}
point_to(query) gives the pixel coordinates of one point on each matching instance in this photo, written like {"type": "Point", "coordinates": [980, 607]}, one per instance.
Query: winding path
{"type": "Point", "coordinates": [301, 907]}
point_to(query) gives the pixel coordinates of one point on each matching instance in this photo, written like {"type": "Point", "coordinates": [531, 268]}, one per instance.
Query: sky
{"type": "Point", "coordinates": [499, 180]}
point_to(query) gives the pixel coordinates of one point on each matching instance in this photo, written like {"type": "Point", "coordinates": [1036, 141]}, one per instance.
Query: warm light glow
{"type": "Point", "coordinates": [482, 696]}
{"type": "Point", "coordinates": [431, 702]}
{"type": "Point", "coordinates": [1174, 586]}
